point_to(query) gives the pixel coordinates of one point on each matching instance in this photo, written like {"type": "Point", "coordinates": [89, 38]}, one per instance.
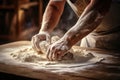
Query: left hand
{"type": "Point", "coordinates": [57, 50]}
{"type": "Point", "coordinates": [38, 39]}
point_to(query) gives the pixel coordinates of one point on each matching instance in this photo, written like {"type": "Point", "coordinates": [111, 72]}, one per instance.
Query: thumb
{"type": "Point", "coordinates": [48, 38]}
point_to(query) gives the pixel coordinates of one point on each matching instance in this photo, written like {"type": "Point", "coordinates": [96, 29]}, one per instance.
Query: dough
{"type": "Point", "coordinates": [54, 39]}
{"type": "Point", "coordinates": [27, 54]}
{"type": "Point", "coordinates": [44, 44]}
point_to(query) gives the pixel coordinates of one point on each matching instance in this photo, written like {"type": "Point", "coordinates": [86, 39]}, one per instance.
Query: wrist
{"type": "Point", "coordinates": [67, 41]}
{"type": "Point", "coordinates": [70, 38]}
{"type": "Point", "coordinates": [45, 35]}
{"type": "Point", "coordinates": [44, 32]}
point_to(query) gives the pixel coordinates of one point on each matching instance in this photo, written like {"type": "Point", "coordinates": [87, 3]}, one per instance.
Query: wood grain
{"type": "Point", "coordinates": [108, 69]}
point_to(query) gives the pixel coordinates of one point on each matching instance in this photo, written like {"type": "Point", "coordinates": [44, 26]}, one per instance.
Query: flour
{"type": "Point", "coordinates": [27, 54]}
{"type": "Point", "coordinates": [73, 56]}
{"type": "Point", "coordinates": [22, 58]}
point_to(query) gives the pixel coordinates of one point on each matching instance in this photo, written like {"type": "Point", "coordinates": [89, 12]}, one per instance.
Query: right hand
{"type": "Point", "coordinates": [36, 39]}
{"type": "Point", "coordinates": [58, 49]}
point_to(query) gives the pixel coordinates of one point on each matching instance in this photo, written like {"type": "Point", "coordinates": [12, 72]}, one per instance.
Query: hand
{"type": "Point", "coordinates": [38, 38]}
{"type": "Point", "coordinates": [57, 50]}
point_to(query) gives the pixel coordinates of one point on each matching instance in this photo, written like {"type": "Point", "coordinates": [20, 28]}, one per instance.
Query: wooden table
{"type": "Point", "coordinates": [108, 69]}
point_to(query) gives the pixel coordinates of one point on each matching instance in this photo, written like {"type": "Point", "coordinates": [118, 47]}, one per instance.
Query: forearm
{"type": "Point", "coordinates": [88, 21]}
{"type": "Point", "coordinates": [83, 27]}
{"type": "Point", "coordinates": [51, 16]}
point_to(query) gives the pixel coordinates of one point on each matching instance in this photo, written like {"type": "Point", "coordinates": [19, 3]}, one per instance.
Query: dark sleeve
{"type": "Point", "coordinates": [103, 6]}
{"type": "Point", "coordinates": [73, 1]}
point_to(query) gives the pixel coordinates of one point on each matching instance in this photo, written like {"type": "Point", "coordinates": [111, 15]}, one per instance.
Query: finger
{"type": "Point", "coordinates": [48, 39]}
{"type": "Point", "coordinates": [42, 37]}
{"type": "Point", "coordinates": [48, 52]}
{"type": "Point", "coordinates": [56, 56]}
{"type": "Point", "coordinates": [33, 41]}
{"type": "Point", "coordinates": [36, 42]}
{"type": "Point", "coordinates": [53, 55]}
{"type": "Point", "coordinates": [59, 55]}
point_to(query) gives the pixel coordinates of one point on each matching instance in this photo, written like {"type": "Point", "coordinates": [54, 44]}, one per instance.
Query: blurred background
{"type": "Point", "coordinates": [21, 19]}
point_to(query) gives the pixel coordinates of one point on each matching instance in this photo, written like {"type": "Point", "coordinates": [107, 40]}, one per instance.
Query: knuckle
{"type": "Point", "coordinates": [34, 36]}
{"type": "Point", "coordinates": [53, 47]}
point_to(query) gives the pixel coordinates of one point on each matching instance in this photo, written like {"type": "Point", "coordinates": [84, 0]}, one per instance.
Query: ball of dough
{"type": "Point", "coordinates": [54, 39]}
{"type": "Point", "coordinates": [43, 46]}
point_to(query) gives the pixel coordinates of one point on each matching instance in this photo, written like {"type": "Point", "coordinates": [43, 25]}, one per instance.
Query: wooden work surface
{"type": "Point", "coordinates": [108, 69]}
